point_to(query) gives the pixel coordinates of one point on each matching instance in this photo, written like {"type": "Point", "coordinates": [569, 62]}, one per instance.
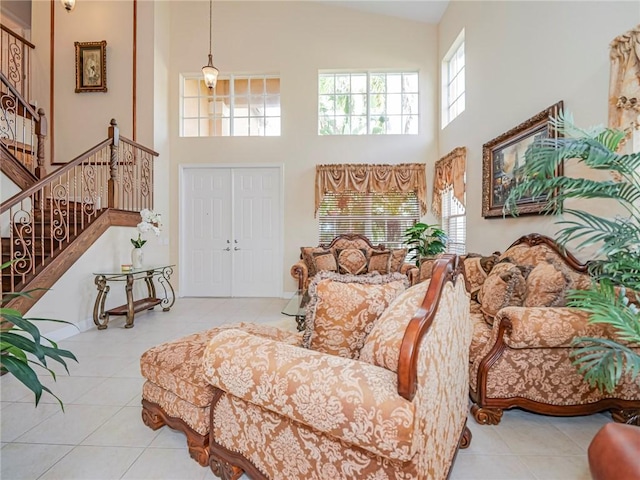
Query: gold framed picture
{"type": "Point", "coordinates": [503, 159]}
{"type": "Point", "coordinates": [91, 66]}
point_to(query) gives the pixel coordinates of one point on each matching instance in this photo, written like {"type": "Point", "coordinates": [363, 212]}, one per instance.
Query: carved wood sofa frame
{"type": "Point", "coordinates": [488, 410]}
{"type": "Point", "coordinates": [231, 465]}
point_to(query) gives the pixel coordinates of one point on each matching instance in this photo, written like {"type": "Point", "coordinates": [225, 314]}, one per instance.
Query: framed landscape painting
{"type": "Point", "coordinates": [503, 159]}
{"type": "Point", "coordinates": [91, 66]}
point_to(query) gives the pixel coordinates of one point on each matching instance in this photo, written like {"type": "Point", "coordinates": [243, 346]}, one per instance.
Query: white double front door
{"type": "Point", "coordinates": [231, 232]}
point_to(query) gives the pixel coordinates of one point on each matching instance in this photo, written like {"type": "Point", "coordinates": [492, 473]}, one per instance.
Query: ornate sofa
{"type": "Point", "coordinates": [519, 355]}
{"type": "Point", "coordinates": [349, 254]}
{"type": "Point", "coordinates": [394, 408]}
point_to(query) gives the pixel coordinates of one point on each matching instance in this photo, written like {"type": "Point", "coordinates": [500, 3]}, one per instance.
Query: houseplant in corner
{"type": "Point", "coordinates": [613, 298]}
{"type": "Point", "coordinates": [21, 347]}
{"type": "Point", "coordinates": [424, 241]}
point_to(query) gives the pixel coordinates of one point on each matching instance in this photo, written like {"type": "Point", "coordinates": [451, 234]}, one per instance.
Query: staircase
{"type": "Point", "coordinates": [54, 218]}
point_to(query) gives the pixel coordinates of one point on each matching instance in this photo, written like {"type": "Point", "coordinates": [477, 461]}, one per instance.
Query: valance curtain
{"type": "Point", "coordinates": [366, 178]}
{"type": "Point", "coordinates": [624, 83]}
{"type": "Point", "coordinates": [449, 174]}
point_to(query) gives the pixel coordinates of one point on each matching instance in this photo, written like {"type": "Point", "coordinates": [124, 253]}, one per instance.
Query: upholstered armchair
{"type": "Point", "coordinates": [349, 254]}
{"type": "Point", "coordinates": [391, 407]}
{"type": "Point", "coordinates": [520, 353]}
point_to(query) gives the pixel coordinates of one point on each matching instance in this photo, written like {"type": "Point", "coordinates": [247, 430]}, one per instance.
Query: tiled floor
{"type": "Point", "coordinates": [100, 434]}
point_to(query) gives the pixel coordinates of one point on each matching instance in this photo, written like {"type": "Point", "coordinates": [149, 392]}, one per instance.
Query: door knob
{"type": "Point", "coordinates": [236, 248]}
{"type": "Point", "coordinates": [228, 249]}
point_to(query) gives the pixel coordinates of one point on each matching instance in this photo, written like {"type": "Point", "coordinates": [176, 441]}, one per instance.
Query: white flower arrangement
{"type": "Point", "coordinates": [151, 221]}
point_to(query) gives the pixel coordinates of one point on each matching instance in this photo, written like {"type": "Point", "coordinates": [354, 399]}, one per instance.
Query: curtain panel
{"type": "Point", "coordinates": [366, 178]}
{"type": "Point", "coordinates": [449, 173]}
{"type": "Point", "coordinates": [624, 82]}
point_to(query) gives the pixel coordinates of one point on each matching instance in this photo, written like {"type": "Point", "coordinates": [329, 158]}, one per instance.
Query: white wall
{"type": "Point", "coordinates": [296, 39]}
{"type": "Point", "coordinates": [522, 57]}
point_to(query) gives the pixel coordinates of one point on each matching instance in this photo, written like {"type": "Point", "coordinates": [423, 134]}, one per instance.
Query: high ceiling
{"type": "Point", "coordinates": [428, 11]}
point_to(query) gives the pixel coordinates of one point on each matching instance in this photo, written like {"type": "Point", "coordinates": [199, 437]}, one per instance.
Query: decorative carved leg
{"type": "Point", "coordinates": [628, 416]}
{"type": "Point", "coordinates": [223, 469]}
{"type": "Point", "coordinates": [486, 416]}
{"type": "Point", "coordinates": [199, 450]}
{"type": "Point", "coordinates": [169, 295]}
{"type": "Point", "coordinates": [129, 292]}
{"type": "Point", "coordinates": [465, 439]}
{"type": "Point", "coordinates": [151, 419]}
{"type": "Point", "coordinates": [100, 318]}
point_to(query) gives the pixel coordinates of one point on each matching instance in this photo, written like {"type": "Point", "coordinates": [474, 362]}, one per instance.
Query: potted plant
{"type": "Point", "coordinates": [424, 241]}
{"type": "Point", "coordinates": [21, 347]}
{"type": "Point", "coordinates": [613, 298]}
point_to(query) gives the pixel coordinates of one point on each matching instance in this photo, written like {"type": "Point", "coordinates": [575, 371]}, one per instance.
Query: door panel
{"type": "Point", "coordinates": [207, 231]}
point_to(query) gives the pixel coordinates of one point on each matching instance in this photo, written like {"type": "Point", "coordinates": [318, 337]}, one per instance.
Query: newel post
{"type": "Point", "coordinates": [114, 135]}
{"type": "Point", "coordinates": [41, 133]}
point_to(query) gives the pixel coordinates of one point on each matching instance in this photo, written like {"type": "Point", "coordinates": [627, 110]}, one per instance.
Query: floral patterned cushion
{"type": "Point", "coordinates": [307, 255]}
{"type": "Point", "coordinates": [382, 345]}
{"type": "Point", "coordinates": [379, 261]}
{"type": "Point", "coordinates": [325, 262]}
{"type": "Point", "coordinates": [352, 260]}
{"type": "Point", "coordinates": [352, 401]}
{"type": "Point", "coordinates": [546, 286]}
{"type": "Point", "coordinates": [504, 286]}
{"type": "Point", "coordinates": [475, 269]}
{"type": "Point", "coordinates": [397, 259]}
{"type": "Point", "coordinates": [343, 308]}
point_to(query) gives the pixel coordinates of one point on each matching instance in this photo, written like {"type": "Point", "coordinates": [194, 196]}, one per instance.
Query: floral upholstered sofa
{"type": "Point", "coordinates": [349, 254]}
{"type": "Point", "coordinates": [523, 329]}
{"type": "Point", "coordinates": [387, 404]}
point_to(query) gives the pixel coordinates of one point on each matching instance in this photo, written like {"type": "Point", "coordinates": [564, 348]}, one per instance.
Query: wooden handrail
{"type": "Point", "coordinates": [20, 98]}
{"type": "Point", "coordinates": [141, 147]}
{"type": "Point", "coordinates": [46, 180]}
{"type": "Point", "coordinates": [19, 37]}
{"type": "Point", "coordinates": [444, 270]}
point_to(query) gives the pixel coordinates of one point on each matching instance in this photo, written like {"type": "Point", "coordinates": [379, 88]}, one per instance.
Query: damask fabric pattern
{"type": "Point", "coordinates": [352, 260]}
{"type": "Point", "coordinates": [549, 378]}
{"type": "Point", "coordinates": [382, 345]}
{"type": "Point", "coordinates": [177, 366]}
{"type": "Point", "coordinates": [546, 287]}
{"type": "Point", "coordinates": [347, 399]}
{"type": "Point", "coordinates": [504, 286]}
{"type": "Point", "coordinates": [343, 309]}
{"type": "Point", "coordinates": [197, 417]}
{"type": "Point", "coordinates": [285, 449]}
{"type": "Point", "coordinates": [475, 269]}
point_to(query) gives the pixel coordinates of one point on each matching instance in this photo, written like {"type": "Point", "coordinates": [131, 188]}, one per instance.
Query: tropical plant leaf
{"type": "Point", "coordinates": [24, 373]}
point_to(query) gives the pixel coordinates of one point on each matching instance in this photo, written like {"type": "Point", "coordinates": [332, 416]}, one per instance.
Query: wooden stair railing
{"type": "Point", "coordinates": [109, 183]}
{"type": "Point", "coordinates": [15, 61]}
{"type": "Point", "coordinates": [22, 129]}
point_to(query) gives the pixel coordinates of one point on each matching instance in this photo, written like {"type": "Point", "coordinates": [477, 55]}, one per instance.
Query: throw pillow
{"type": "Point", "coordinates": [397, 259]}
{"type": "Point", "coordinates": [379, 261]}
{"type": "Point", "coordinates": [352, 260]}
{"type": "Point", "coordinates": [307, 255]}
{"type": "Point", "coordinates": [343, 308]}
{"type": "Point", "coordinates": [546, 287]}
{"type": "Point", "coordinates": [505, 286]}
{"type": "Point", "coordinates": [382, 345]}
{"type": "Point", "coordinates": [325, 261]}
{"type": "Point", "coordinates": [475, 269]}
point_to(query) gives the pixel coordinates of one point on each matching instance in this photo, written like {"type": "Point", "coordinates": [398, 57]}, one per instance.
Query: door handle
{"type": "Point", "coordinates": [228, 249]}
{"type": "Point", "coordinates": [236, 248]}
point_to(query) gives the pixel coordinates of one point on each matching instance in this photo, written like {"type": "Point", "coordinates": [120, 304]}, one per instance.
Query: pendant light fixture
{"type": "Point", "coordinates": [209, 71]}
{"type": "Point", "coordinates": [68, 4]}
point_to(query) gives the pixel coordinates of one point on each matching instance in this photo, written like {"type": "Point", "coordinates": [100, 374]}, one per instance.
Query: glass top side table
{"type": "Point", "coordinates": [296, 307]}
{"type": "Point", "coordinates": [162, 273]}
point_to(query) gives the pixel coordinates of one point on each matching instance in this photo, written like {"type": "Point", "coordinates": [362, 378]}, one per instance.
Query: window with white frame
{"type": "Point", "coordinates": [368, 103]}
{"type": "Point", "coordinates": [247, 105]}
{"type": "Point", "coordinates": [454, 223]}
{"type": "Point", "coordinates": [382, 217]}
{"type": "Point", "coordinates": [453, 81]}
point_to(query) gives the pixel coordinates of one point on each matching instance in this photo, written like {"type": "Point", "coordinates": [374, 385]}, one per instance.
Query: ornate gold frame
{"type": "Point", "coordinates": [493, 182]}
{"type": "Point", "coordinates": [91, 66]}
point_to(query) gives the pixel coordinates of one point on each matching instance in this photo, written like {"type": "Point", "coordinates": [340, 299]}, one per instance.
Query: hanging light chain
{"type": "Point", "coordinates": [210, 26]}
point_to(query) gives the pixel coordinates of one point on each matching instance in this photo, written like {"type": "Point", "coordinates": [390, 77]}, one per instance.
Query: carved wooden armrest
{"type": "Point", "coordinates": [300, 272]}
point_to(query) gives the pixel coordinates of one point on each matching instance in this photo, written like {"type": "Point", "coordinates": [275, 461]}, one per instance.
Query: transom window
{"type": "Point", "coordinates": [368, 103]}
{"type": "Point", "coordinates": [454, 223]}
{"type": "Point", "coordinates": [246, 105]}
{"type": "Point", "coordinates": [382, 217]}
{"type": "Point", "coordinates": [453, 81]}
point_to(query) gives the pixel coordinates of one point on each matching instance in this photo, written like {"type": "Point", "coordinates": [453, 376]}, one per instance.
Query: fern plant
{"type": "Point", "coordinates": [21, 347]}
{"type": "Point", "coordinates": [616, 269]}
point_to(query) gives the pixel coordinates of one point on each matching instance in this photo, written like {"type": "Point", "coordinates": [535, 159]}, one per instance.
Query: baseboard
{"type": "Point", "coordinates": [70, 330]}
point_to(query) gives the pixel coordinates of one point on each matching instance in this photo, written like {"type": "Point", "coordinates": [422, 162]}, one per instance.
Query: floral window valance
{"type": "Point", "coordinates": [624, 84]}
{"type": "Point", "coordinates": [449, 174]}
{"type": "Point", "coordinates": [340, 178]}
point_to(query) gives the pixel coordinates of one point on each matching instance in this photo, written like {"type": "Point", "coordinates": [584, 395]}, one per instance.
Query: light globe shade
{"type": "Point", "coordinates": [68, 4]}
{"type": "Point", "coordinates": [210, 74]}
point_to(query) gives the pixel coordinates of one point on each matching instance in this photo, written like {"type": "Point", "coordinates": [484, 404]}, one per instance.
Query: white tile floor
{"type": "Point", "coordinates": [100, 434]}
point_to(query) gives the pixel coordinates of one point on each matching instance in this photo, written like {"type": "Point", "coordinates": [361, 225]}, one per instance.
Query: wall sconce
{"type": "Point", "coordinates": [68, 4]}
